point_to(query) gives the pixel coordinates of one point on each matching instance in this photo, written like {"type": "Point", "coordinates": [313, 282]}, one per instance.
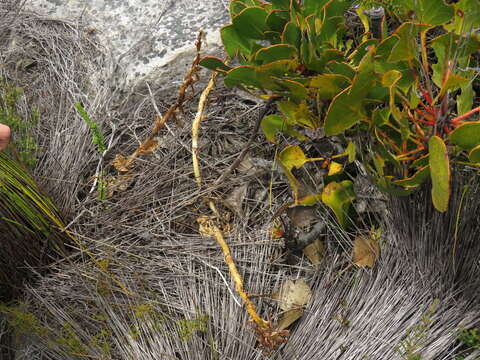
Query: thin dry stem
{"type": "Point", "coordinates": [196, 128]}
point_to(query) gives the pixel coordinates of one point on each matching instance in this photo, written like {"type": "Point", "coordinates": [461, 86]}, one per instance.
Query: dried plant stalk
{"type": "Point", "coordinates": [196, 127]}
{"type": "Point", "coordinates": [188, 81]}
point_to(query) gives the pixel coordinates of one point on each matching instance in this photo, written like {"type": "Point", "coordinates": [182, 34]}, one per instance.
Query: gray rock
{"type": "Point", "coordinates": [146, 37]}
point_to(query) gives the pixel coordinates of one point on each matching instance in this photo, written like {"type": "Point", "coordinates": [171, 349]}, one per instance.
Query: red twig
{"type": "Point", "coordinates": [464, 116]}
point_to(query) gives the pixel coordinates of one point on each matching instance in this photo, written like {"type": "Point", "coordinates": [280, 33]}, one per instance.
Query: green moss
{"type": "Point", "coordinates": [22, 321]}
{"type": "Point", "coordinates": [417, 336]}
{"type": "Point", "coordinates": [470, 339]}
{"type": "Point", "coordinates": [188, 327]}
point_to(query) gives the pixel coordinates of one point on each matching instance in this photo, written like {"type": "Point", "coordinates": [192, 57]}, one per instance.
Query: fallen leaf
{"type": "Point", "coordinates": [365, 252]}
{"type": "Point", "coordinates": [315, 252]}
{"type": "Point", "coordinates": [120, 163]}
{"type": "Point", "coordinates": [235, 199]}
{"type": "Point", "coordinates": [294, 294]}
{"type": "Point", "coordinates": [246, 166]}
{"type": "Point", "coordinates": [288, 318]}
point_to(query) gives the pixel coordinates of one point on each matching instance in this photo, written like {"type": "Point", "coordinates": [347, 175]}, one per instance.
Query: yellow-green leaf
{"type": "Point", "coordinates": [292, 156]}
{"type": "Point", "coordinates": [334, 168]}
{"type": "Point", "coordinates": [351, 151]}
{"type": "Point", "coordinates": [298, 114]}
{"type": "Point", "coordinates": [338, 197]}
{"type": "Point", "coordinates": [440, 173]}
{"type": "Point", "coordinates": [415, 180]}
{"type": "Point", "coordinates": [271, 125]}
{"type": "Point", "coordinates": [467, 135]}
{"type": "Point", "coordinates": [328, 86]}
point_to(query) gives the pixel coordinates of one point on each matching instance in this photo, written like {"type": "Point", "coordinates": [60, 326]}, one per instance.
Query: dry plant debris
{"type": "Point", "coordinates": [315, 252]}
{"type": "Point", "coordinates": [365, 251]}
{"type": "Point", "coordinates": [292, 298]}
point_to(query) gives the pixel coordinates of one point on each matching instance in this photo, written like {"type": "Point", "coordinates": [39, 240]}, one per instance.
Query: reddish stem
{"type": "Point", "coordinates": [426, 116]}
{"type": "Point", "coordinates": [427, 97]}
{"type": "Point", "coordinates": [430, 109]}
{"type": "Point", "coordinates": [464, 116]}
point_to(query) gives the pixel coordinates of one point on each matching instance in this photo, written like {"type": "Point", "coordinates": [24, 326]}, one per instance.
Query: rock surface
{"type": "Point", "coordinates": [149, 38]}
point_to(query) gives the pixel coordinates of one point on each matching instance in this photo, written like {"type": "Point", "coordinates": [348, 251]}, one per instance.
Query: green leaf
{"type": "Point", "coordinates": [433, 12]}
{"type": "Point", "coordinates": [281, 4]}
{"type": "Point", "coordinates": [291, 34]}
{"type": "Point", "coordinates": [236, 6]}
{"type": "Point", "coordinates": [406, 47]}
{"type": "Point", "coordinates": [420, 162]}
{"type": "Point", "coordinates": [268, 73]}
{"type": "Point", "coordinates": [314, 7]}
{"type": "Point", "coordinates": [343, 113]}
{"type": "Point", "coordinates": [250, 23]}
{"type": "Point", "coordinates": [292, 156]}
{"type": "Point", "coordinates": [440, 173]}
{"type": "Point", "coordinates": [415, 180]}
{"type": "Point", "coordinates": [381, 117]}
{"type": "Point", "coordinates": [339, 197]}
{"type": "Point", "coordinates": [276, 20]}
{"type": "Point", "coordinates": [390, 78]}
{"type": "Point", "coordinates": [467, 17]}
{"type": "Point", "coordinates": [275, 52]}
{"type": "Point", "coordinates": [214, 63]}
{"type": "Point", "coordinates": [329, 85]}
{"type": "Point", "coordinates": [467, 135]}
{"type": "Point", "coordinates": [385, 184]}
{"type": "Point", "coordinates": [341, 68]}
{"type": "Point", "coordinates": [234, 43]}
{"type": "Point", "coordinates": [361, 50]}
{"type": "Point", "coordinates": [474, 154]}
{"type": "Point", "coordinates": [294, 90]}
{"type": "Point", "coordinates": [273, 124]}
{"type": "Point", "coordinates": [452, 82]}
{"type": "Point", "coordinates": [465, 99]}
{"type": "Point", "coordinates": [242, 75]}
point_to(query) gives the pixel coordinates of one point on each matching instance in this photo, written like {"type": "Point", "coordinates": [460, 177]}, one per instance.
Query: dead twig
{"type": "Point", "coordinates": [124, 165]}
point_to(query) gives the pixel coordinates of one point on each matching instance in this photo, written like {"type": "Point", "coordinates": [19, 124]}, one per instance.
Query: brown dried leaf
{"type": "Point", "coordinates": [235, 199]}
{"type": "Point", "coordinates": [120, 163]}
{"type": "Point", "coordinates": [365, 252]}
{"type": "Point", "coordinates": [294, 294]}
{"type": "Point", "coordinates": [148, 147]}
{"type": "Point", "coordinates": [288, 318]}
{"type": "Point", "coordinates": [315, 252]}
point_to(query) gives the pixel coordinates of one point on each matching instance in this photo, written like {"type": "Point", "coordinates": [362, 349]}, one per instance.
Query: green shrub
{"type": "Point", "coordinates": [402, 103]}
